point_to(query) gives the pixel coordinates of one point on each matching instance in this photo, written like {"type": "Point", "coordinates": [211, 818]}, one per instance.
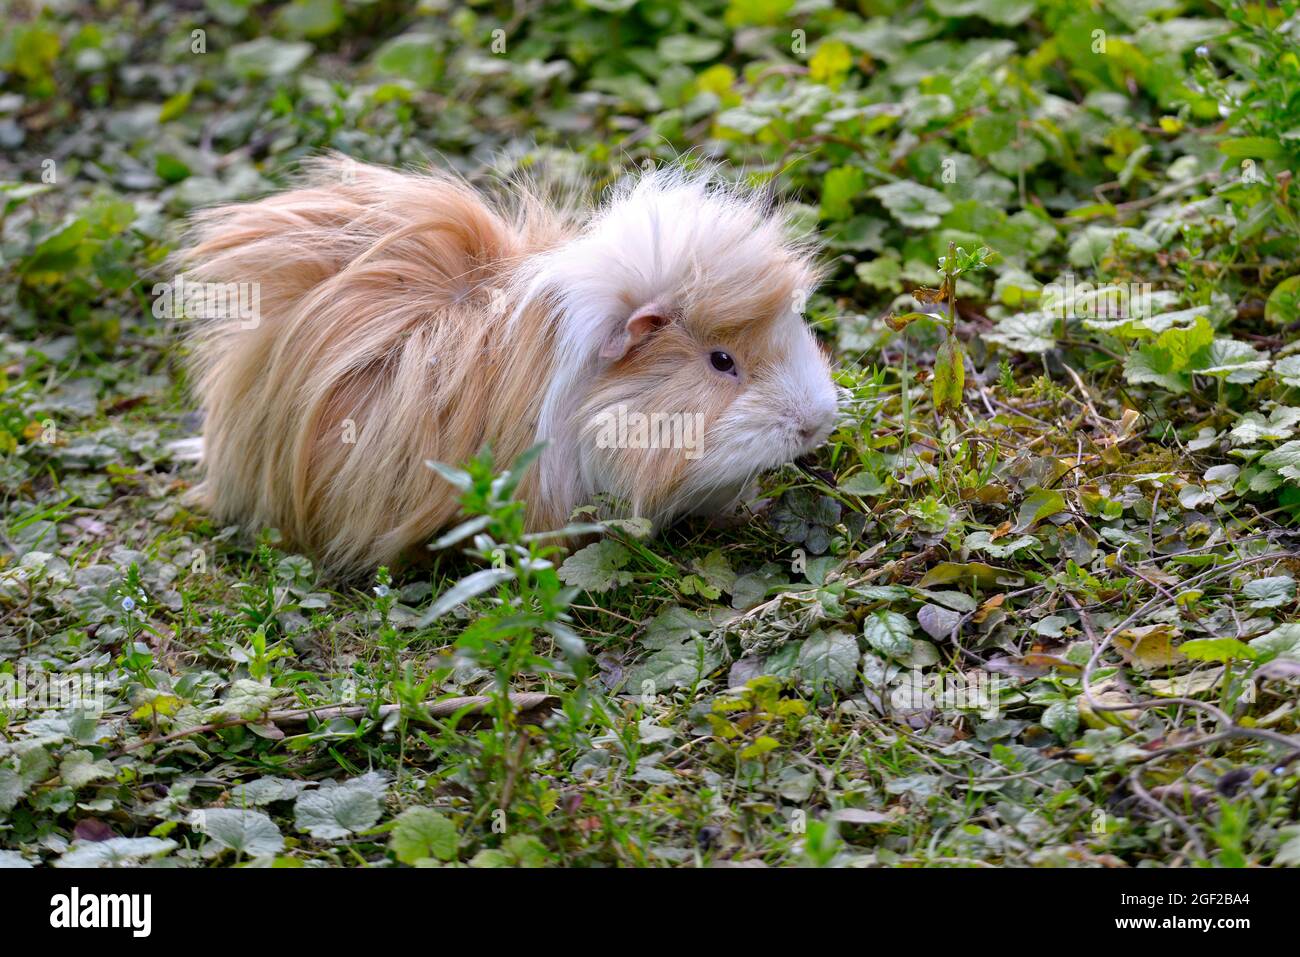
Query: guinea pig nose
{"type": "Point", "coordinates": [815, 422]}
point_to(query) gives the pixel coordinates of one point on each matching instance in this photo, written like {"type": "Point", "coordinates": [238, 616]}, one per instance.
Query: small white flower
{"type": "Point", "coordinates": [128, 603]}
{"type": "Point", "coordinates": [381, 590]}
{"type": "Point", "coordinates": [1202, 50]}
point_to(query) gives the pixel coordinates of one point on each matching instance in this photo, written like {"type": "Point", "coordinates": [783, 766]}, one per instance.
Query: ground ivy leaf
{"type": "Point", "coordinates": [888, 632]}
{"type": "Point", "coordinates": [1286, 459]}
{"type": "Point", "coordinates": [597, 567]}
{"type": "Point", "coordinates": [675, 665]}
{"type": "Point", "coordinates": [421, 832]}
{"type": "Point", "coordinates": [245, 700]}
{"type": "Point", "coordinates": [114, 852]}
{"type": "Point", "coordinates": [674, 625]}
{"type": "Point", "coordinates": [829, 658]}
{"type": "Point", "coordinates": [240, 830]}
{"type": "Point", "coordinates": [1234, 361]}
{"type": "Point", "coordinates": [912, 204]}
{"type": "Point", "coordinates": [79, 768]}
{"type": "Point", "coordinates": [1062, 719]}
{"type": "Point", "coordinates": [12, 789]}
{"type": "Point", "coordinates": [1287, 370]}
{"type": "Point", "coordinates": [1269, 592]}
{"type": "Point", "coordinates": [716, 570]}
{"type": "Point", "coordinates": [1032, 332]}
{"type": "Point", "coordinates": [266, 57]}
{"type": "Point", "coordinates": [982, 541]}
{"type": "Point", "coordinates": [336, 810]}
{"type": "Point", "coordinates": [265, 791]}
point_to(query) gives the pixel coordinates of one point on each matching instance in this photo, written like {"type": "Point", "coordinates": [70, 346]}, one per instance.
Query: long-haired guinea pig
{"type": "Point", "coordinates": [655, 345]}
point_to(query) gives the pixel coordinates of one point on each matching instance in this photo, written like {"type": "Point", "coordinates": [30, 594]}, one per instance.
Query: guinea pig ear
{"type": "Point", "coordinates": [639, 325]}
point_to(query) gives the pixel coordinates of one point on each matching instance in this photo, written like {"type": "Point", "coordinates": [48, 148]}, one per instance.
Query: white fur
{"type": "Point", "coordinates": [655, 239]}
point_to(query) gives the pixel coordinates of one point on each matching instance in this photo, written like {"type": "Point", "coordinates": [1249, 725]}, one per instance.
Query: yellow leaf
{"type": "Point", "coordinates": [165, 705]}
{"type": "Point", "coordinates": [1109, 695]}
{"type": "Point", "coordinates": [761, 745]}
{"type": "Point", "coordinates": [1149, 647]}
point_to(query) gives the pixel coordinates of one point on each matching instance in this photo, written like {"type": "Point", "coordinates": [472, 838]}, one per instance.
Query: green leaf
{"type": "Point", "coordinates": [1216, 649]}
{"type": "Point", "coordinates": [312, 18]}
{"type": "Point", "coordinates": [598, 567]}
{"type": "Point", "coordinates": [170, 169]}
{"type": "Point", "coordinates": [115, 852]}
{"type": "Point", "coordinates": [1283, 305]}
{"type": "Point", "coordinates": [747, 122]}
{"type": "Point", "coordinates": [761, 13]}
{"type": "Point", "coordinates": [490, 857]}
{"type": "Point", "coordinates": [266, 790]}
{"type": "Point", "coordinates": [245, 700]}
{"type": "Point", "coordinates": [1282, 641]}
{"type": "Point", "coordinates": [830, 63]}
{"type": "Point", "coordinates": [337, 809]}
{"type": "Point", "coordinates": [1285, 459]}
{"type": "Point", "coordinates": [1251, 147]}
{"type": "Point", "coordinates": [888, 632]}
{"type": "Point", "coordinates": [471, 586]}
{"type": "Point", "coordinates": [1234, 361]}
{"type": "Point", "coordinates": [685, 48]}
{"type": "Point", "coordinates": [863, 483]}
{"type": "Point", "coordinates": [1038, 505]}
{"type": "Point", "coordinates": [175, 106]}
{"type": "Point", "coordinates": [947, 572]}
{"type": "Point", "coordinates": [413, 56]}
{"type": "Point", "coordinates": [12, 789]}
{"type": "Point", "coordinates": [913, 205]}
{"type": "Point", "coordinates": [244, 831]}
{"type": "Point", "coordinates": [981, 541]}
{"type": "Point", "coordinates": [840, 187]}
{"type": "Point", "coordinates": [990, 133]}
{"type": "Point", "coordinates": [1270, 592]}
{"type": "Point", "coordinates": [1062, 719]}
{"type": "Point", "coordinates": [1280, 424]}
{"type": "Point", "coordinates": [677, 665]}
{"type": "Point", "coordinates": [266, 57]}
{"type": "Point", "coordinates": [716, 570]}
{"type": "Point", "coordinates": [421, 832]}
{"type": "Point", "coordinates": [79, 768]}
{"type": "Point", "coordinates": [519, 850]}
{"type": "Point", "coordinates": [883, 272]}
{"type": "Point", "coordinates": [937, 621]}
{"type": "Point", "coordinates": [829, 658]}
{"type": "Point", "coordinates": [1288, 371]}
{"type": "Point", "coordinates": [1005, 13]}
{"type": "Point", "coordinates": [1032, 332]}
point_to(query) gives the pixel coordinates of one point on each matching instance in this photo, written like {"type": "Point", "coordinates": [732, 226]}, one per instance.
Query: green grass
{"type": "Point", "coordinates": [1083, 569]}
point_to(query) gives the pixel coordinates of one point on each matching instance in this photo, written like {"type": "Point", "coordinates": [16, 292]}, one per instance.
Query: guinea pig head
{"type": "Point", "coordinates": [685, 365]}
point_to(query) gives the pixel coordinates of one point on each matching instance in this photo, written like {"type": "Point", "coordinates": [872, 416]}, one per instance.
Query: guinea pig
{"type": "Point", "coordinates": [655, 345]}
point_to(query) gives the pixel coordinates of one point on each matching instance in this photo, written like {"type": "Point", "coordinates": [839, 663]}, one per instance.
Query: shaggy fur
{"type": "Point", "coordinates": [405, 318]}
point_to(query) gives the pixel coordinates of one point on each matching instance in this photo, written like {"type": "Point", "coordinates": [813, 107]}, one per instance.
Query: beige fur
{"type": "Point", "coordinates": [408, 312]}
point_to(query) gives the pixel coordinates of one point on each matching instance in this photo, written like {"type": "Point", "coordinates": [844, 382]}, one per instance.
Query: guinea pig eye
{"type": "Point", "coordinates": [722, 361]}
